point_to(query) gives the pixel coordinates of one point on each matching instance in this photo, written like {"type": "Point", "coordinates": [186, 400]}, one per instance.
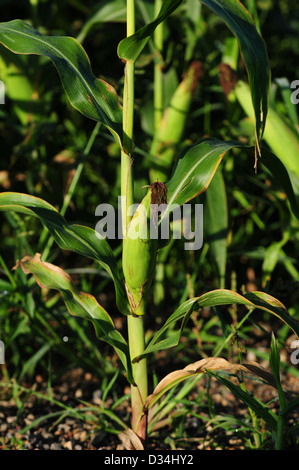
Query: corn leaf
{"type": "Point", "coordinates": [256, 405]}
{"type": "Point", "coordinates": [216, 223]}
{"type": "Point", "coordinates": [215, 298]}
{"type": "Point", "coordinates": [198, 163]}
{"type": "Point", "coordinates": [78, 303]}
{"type": "Point", "coordinates": [131, 47]}
{"type": "Point", "coordinates": [194, 170]}
{"type": "Point", "coordinates": [207, 365]}
{"type": "Point", "coordinates": [108, 11]}
{"type": "Point", "coordinates": [254, 52]}
{"type": "Point", "coordinates": [94, 98]}
{"type": "Point", "coordinates": [76, 238]}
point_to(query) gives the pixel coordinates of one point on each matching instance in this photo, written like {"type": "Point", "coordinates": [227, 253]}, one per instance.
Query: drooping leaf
{"type": "Point", "coordinates": [76, 238]}
{"type": "Point", "coordinates": [78, 303]}
{"type": "Point", "coordinates": [254, 52]}
{"type": "Point", "coordinates": [215, 298]}
{"type": "Point", "coordinates": [203, 366]}
{"type": "Point", "coordinates": [93, 97]}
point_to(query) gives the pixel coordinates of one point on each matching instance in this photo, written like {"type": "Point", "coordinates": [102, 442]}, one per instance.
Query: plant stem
{"type": "Point", "coordinates": [158, 75]}
{"type": "Point", "coordinates": [139, 390]}
{"type": "Point", "coordinates": [127, 183]}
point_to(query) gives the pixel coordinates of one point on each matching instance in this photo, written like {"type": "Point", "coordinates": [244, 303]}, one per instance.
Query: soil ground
{"type": "Point", "coordinates": [71, 433]}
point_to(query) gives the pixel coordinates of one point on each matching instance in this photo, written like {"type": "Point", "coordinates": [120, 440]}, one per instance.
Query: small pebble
{"type": "Point", "coordinates": [55, 446]}
{"type": "Point", "coordinates": [10, 419]}
{"type": "Point", "coordinates": [68, 445]}
{"type": "Point", "coordinates": [78, 393]}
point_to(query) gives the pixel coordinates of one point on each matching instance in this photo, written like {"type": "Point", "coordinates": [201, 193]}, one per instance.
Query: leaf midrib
{"type": "Point", "coordinates": [183, 181]}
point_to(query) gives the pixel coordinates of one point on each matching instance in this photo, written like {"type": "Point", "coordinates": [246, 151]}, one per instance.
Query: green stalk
{"type": "Point", "coordinates": [158, 74]}
{"type": "Point", "coordinates": [275, 367]}
{"type": "Point", "coordinates": [139, 390]}
{"type": "Point", "coordinates": [127, 184]}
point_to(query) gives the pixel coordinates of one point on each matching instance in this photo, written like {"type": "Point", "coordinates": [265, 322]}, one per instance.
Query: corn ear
{"type": "Point", "coordinates": [140, 251]}
{"type": "Point", "coordinates": [173, 123]}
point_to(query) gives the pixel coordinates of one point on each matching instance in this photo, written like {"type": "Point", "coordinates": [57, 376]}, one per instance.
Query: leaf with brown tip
{"type": "Point", "coordinates": [211, 363]}
{"type": "Point", "coordinates": [79, 304]}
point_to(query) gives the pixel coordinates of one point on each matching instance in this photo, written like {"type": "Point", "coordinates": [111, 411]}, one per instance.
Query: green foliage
{"type": "Point", "coordinates": [250, 220]}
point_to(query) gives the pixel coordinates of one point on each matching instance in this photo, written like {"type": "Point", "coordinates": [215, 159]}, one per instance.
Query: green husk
{"type": "Point", "coordinates": [139, 255]}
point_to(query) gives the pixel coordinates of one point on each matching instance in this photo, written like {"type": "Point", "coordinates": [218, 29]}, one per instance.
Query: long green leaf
{"type": "Point", "coordinates": [108, 11]}
{"type": "Point", "coordinates": [78, 303]}
{"type": "Point", "coordinates": [198, 163]}
{"type": "Point", "coordinates": [76, 238]}
{"type": "Point", "coordinates": [93, 97]}
{"type": "Point", "coordinates": [254, 52]}
{"type": "Point", "coordinates": [257, 406]}
{"type": "Point", "coordinates": [131, 47]}
{"type": "Point", "coordinates": [215, 298]}
{"type": "Point", "coordinates": [194, 170]}
{"type": "Point", "coordinates": [216, 223]}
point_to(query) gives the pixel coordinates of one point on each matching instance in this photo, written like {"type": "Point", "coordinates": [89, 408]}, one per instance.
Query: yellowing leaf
{"type": "Point", "coordinates": [210, 363]}
{"type": "Point", "coordinates": [78, 303]}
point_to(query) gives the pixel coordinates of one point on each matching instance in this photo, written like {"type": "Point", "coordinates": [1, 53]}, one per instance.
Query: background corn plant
{"type": "Point", "coordinates": [160, 108]}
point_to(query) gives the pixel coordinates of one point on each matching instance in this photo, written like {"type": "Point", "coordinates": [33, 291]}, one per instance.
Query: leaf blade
{"type": "Point", "coordinates": [216, 223]}
{"type": "Point", "coordinates": [195, 169]}
{"type": "Point", "coordinates": [76, 238]}
{"type": "Point", "coordinates": [213, 299]}
{"type": "Point", "coordinates": [206, 366]}
{"type": "Point", "coordinates": [258, 407]}
{"type": "Point", "coordinates": [254, 52]}
{"type": "Point", "coordinates": [94, 98]}
{"type": "Point", "coordinates": [79, 304]}
{"type": "Point", "coordinates": [131, 47]}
